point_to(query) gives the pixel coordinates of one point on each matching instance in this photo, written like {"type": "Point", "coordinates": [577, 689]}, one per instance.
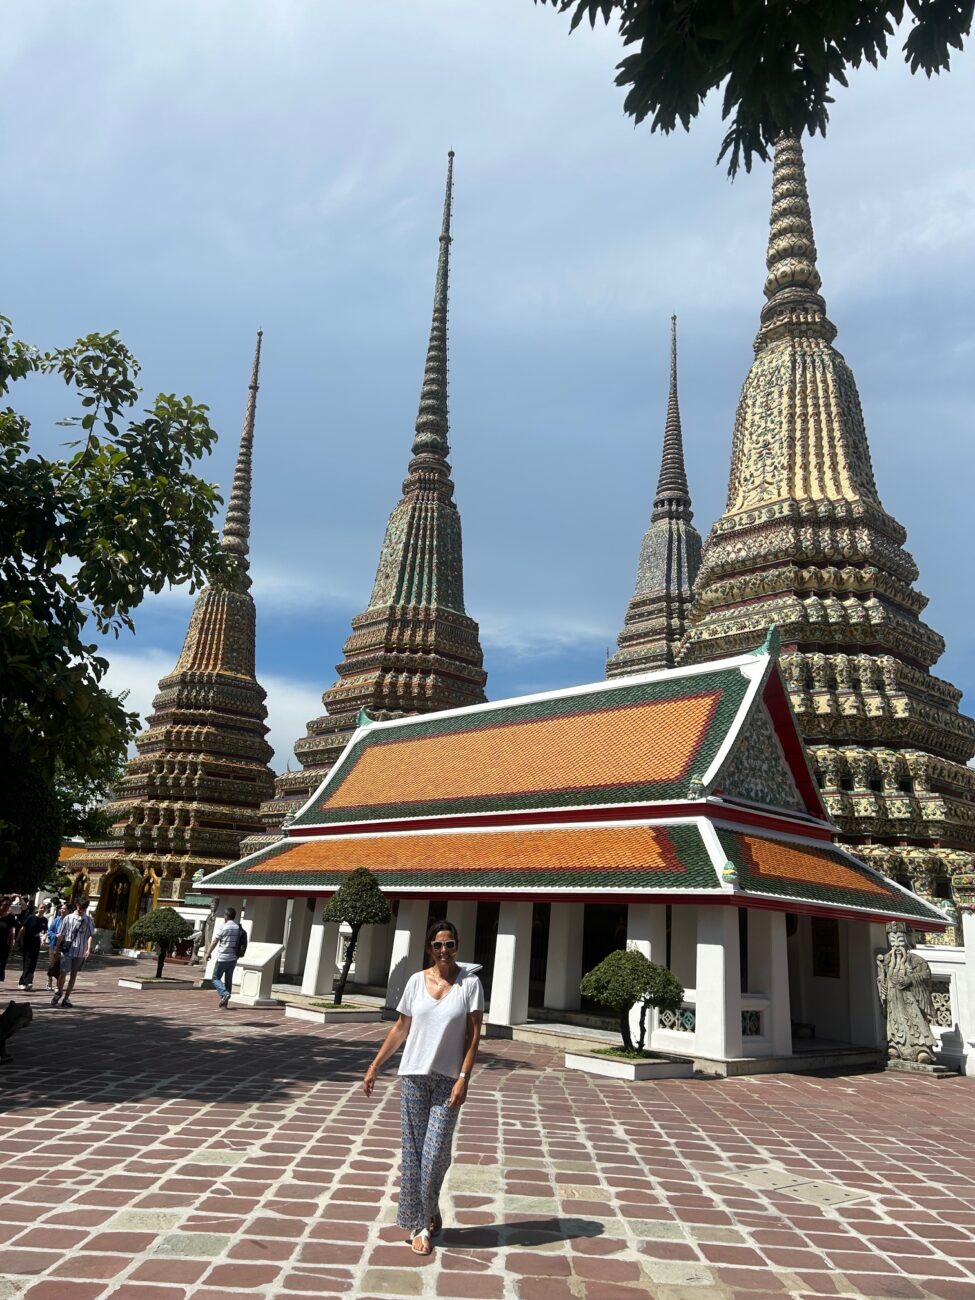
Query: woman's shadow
{"type": "Point", "coordinates": [530, 1232]}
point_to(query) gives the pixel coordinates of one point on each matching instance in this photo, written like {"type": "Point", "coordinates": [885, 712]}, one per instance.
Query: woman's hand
{"type": "Point", "coordinates": [369, 1080]}
{"type": "Point", "coordinates": [458, 1093]}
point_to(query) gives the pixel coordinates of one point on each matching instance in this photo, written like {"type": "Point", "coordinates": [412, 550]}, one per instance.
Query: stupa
{"type": "Point", "coordinates": [191, 793]}
{"type": "Point", "coordinates": [413, 649]}
{"type": "Point", "coordinates": [656, 617]}
{"type": "Point", "coordinates": [806, 544]}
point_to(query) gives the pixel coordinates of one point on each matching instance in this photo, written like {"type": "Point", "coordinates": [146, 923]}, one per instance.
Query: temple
{"type": "Point", "coordinates": [674, 812]}
{"type": "Point", "coordinates": [192, 792]}
{"type": "Point", "coordinates": [806, 544]}
{"type": "Point", "coordinates": [413, 649]}
{"type": "Point", "coordinates": [656, 617]}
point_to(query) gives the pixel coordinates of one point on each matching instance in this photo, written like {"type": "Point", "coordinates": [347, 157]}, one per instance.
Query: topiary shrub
{"type": "Point", "coordinates": [164, 927]}
{"type": "Point", "coordinates": [358, 901]}
{"type": "Point", "coordinates": [626, 979]}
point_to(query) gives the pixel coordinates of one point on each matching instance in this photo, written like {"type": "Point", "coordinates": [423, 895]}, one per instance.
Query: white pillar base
{"type": "Point", "coordinates": [563, 966]}
{"type": "Point", "coordinates": [718, 984]}
{"type": "Point", "coordinates": [646, 932]}
{"type": "Point", "coordinates": [512, 965]}
{"type": "Point", "coordinates": [408, 946]}
{"type": "Point", "coordinates": [297, 927]}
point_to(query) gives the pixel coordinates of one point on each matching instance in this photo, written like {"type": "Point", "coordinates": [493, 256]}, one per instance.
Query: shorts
{"type": "Point", "coordinates": [69, 964]}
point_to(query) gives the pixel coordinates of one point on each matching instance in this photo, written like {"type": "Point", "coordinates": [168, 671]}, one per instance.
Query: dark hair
{"type": "Point", "coordinates": [81, 901]}
{"type": "Point", "coordinates": [230, 913]}
{"type": "Point", "coordinates": [435, 929]}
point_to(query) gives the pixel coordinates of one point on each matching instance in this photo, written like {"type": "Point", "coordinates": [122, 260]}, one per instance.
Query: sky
{"type": "Point", "coordinates": [187, 173]}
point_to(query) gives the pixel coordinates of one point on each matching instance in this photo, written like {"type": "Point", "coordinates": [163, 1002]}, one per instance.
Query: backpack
{"type": "Point", "coordinates": [241, 941]}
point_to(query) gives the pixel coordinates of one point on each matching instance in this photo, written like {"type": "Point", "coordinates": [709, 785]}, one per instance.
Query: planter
{"type": "Point", "coordinates": [143, 985]}
{"type": "Point", "coordinates": [619, 1067]}
{"type": "Point", "coordinates": [321, 1016]}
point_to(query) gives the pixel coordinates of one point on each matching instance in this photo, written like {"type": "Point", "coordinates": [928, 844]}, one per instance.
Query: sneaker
{"type": "Point", "coordinates": [225, 1001]}
{"type": "Point", "coordinates": [56, 999]}
{"type": "Point", "coordinates": [66, 1003]}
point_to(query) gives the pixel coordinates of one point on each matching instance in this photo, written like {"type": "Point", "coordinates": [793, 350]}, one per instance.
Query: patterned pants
{"type": "Point", "coordinates": [428, 1131]}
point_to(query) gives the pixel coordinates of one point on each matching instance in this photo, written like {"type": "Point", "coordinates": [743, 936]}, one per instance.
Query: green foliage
{"type": "Point", "coordinates": [30, 828]}
{"type": "Point", "coordinates": [358, 901]}
{"type": "Point", "coordinates": [163, 927]}
{"type": "Point", "coordinates": [626, 979]}
{"type": "Point", "coordinates": [82, 539]}
{"type": "Point", "coordinates": [79, 798]}
{"type": "Point", "coordinates": [777, 62]}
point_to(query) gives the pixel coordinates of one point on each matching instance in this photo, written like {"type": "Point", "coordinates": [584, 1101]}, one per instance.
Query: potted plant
{"type": "Point", "coordinates": [162, 927]}
{"type": "Point", "coordinates": [622, 981]}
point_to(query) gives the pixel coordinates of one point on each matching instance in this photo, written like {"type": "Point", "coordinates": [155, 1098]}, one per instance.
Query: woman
{"type": "Point", "coordinates": [440, 1016]}
{"type": "Point", "coordinates": [54, 956]}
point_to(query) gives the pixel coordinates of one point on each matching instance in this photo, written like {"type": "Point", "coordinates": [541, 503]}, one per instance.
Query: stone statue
{"type": "Point", "coordinates": [904, 982]}
{"type": "Point", "coordinates": [201, 938]}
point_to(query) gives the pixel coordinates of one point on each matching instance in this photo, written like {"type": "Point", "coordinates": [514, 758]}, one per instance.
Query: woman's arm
{"type": "Point", "coordinates": [393, 1041]}
{"type": "Point", "coordinates": [458, 1094]}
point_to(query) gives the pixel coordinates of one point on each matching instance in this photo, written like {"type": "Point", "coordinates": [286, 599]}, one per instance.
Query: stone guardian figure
{"type": "Point", "coordinates": [904, 982]}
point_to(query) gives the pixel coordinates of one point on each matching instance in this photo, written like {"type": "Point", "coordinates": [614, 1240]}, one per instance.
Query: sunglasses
{"type": "Point", "coordinates": [448, 945]}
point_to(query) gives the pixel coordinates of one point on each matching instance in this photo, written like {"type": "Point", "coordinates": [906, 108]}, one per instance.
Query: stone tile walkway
{"type": "Point", "coordinates": [154, 1148]}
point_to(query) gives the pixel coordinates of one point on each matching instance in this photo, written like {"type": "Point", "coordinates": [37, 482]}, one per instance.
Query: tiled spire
{"type": "Point", "coordinates": [194, 788]}
{"type": "Point", "coordinates": [431, 420]}
{"type": "Point", "coordinates": [806, 545]}
{"type": "Point", "coordinates": [656, 616]}
{"type": "Point", "coordinates": [672, 484]}
{"type": "Point", "coordinates": [414, 649]}
{"type": "Point", "coordinates": [237, 524]}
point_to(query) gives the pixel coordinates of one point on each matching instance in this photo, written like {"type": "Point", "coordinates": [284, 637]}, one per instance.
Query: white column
{"type": "Point", "coordinates": [297, 925]}
{"type": "Point", "coordinates": [408, 940]}
{"type": "Point", "coordinates": [563, 965]}
{"type": "Point", "coordinates": [966, 992]}
{"type": "Point", "coordinates": [646, 932]}
{"type": "Point", "coordinates": [863, 941]}
{"type": "Point", "coordinates": [718, 983]}
{"type": "Point", "coordinates": [323, 939]}
{"type": "Point", "coordinates": [512, 965]}
{"type": "Point", "coordinates": [264, 919]}
{"type": "Point", "coordinates": [371, 955]}
{"type": "Point", "coordinates": [768, 974]}
{"type": "Point", "coordinates": [462, 912]}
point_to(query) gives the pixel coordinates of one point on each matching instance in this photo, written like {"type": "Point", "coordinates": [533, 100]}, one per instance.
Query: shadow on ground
{"type": "Point", "coordinates": [121, 1047]}
{"type": "Point", "coordinates": [533, 1232]}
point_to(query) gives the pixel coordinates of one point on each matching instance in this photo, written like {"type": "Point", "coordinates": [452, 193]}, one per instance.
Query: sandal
{"type": "Point", "coordinates": [420, 1242]}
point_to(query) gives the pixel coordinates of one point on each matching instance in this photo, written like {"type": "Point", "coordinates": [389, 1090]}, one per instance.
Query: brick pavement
{"type": "Point", "coordinates": [153, 1148]}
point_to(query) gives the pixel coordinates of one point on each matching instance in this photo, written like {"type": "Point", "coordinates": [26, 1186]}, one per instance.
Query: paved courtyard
{"type": "Point", "coordinates": [153, 1148]}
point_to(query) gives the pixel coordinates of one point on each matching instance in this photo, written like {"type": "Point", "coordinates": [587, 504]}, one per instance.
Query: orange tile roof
{"type": "Point", "coordinates": [807, 865]}
{"type": "Point", "coordinates": [625, 746]}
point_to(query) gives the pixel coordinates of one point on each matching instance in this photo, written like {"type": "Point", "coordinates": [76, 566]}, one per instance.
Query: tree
{"type": "Point", "coordinates": [777, 62]}
{"type": "Point", "coordinates": [624, 980]}
{"type": "Point", "coordinates": [358, 901]}
{"type": "Point", "coordinates": [80, 798]}
{"type": "Point", "coordinates": [163, 927]}
{"type": "Point", "coordinates": [82, 540]}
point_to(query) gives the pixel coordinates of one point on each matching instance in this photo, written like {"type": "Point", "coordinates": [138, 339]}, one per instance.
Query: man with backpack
{"type": "Point", "coordinates": [230, 941]}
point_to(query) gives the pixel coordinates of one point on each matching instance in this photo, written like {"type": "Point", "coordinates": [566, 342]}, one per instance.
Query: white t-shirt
{"type": "Point", "coordinates": [226, 937]}
{"type": "Point", "coordinates": [438, 1034]}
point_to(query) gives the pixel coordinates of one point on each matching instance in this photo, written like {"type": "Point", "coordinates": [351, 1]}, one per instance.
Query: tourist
{"type": "Point", "coordinates": [6, 934]}
{"type": "Point", "coordinates": [229, 942]}
{"type": "Point", "coordinates": [439, 1022]}
{"type": "Point", "coordinates": [33, 927]}
{"type": "Point", "coordinates": [75, 940]}
{"type": "Point", "coordinates": [53, 955]}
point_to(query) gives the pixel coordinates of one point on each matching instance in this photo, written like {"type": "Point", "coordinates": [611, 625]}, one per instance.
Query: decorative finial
{"type": "Point", "coordinates": [432, 421]}
{"type": "Point", "coordinates": [237, 525]}
{"type": "Point", "coordinates": [672, 487]}
{"type": "Point", "coordinates": [793, 282]}
{"type": "Point", "coordinates": [772, 645]}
